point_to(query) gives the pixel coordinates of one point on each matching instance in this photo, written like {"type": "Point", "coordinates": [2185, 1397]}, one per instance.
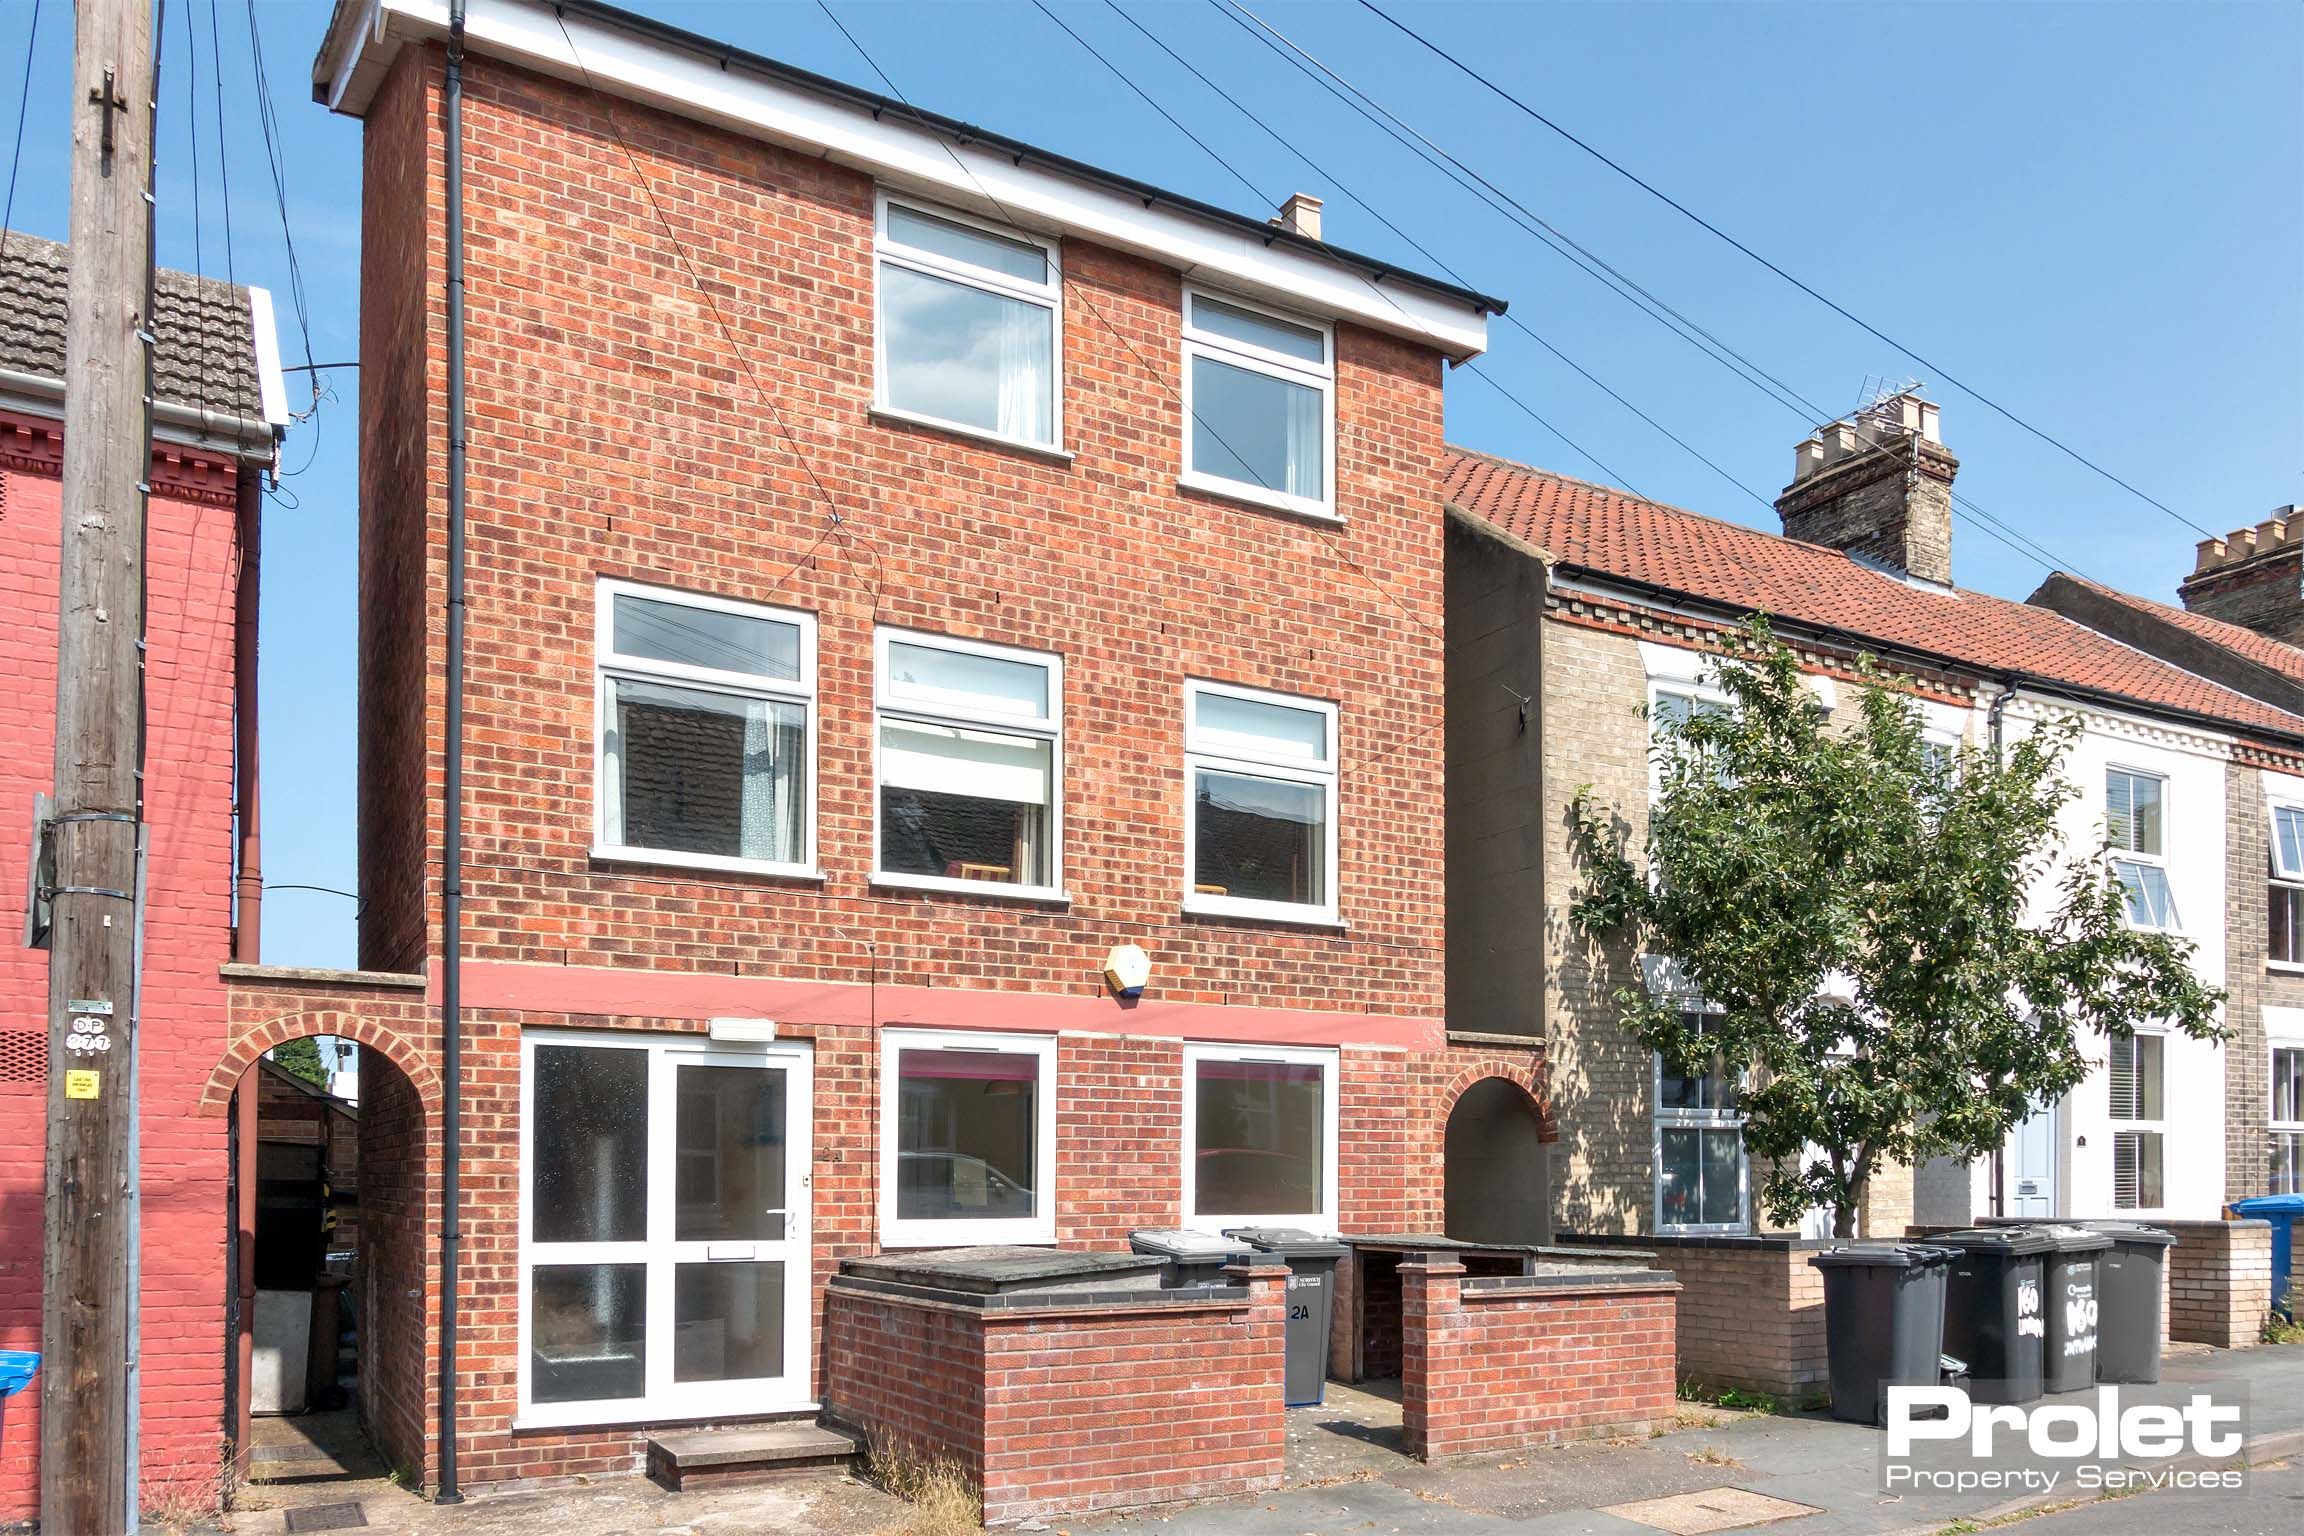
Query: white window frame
{"type": "Point", "coordinates": [2139, 1126]}
{"type": "Point", "coordinates": [1040, 1226]}
{"type": "Point", "coordinates": [2278, 880]}
{"type": "Point", "coordinates": [2159, 860]}
{"type": "Point", "coordinates": [1050, 730]}
{"type": "Point", "coordinates": [750, 685]}
{"type": "Point", "coordinates": [887, 251]}
{"type": "Point", "coordinates": [1324, 1221]}
{"type": "Point", "coordinates": [1199, 755]}
{"type": "Point", "coordinates": [664, 1400]}
{"type": "Point", "coordinates": [2294, 1125]}
{"type": "Point", "coordinates": [1255, 359]}
{"type": "Point", "coordinates": [1699, 1120]}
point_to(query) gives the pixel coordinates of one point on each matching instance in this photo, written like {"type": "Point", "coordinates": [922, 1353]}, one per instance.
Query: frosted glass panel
{"type": "Point", "coordinates": [588, 1145]}
{"type": "Point", "coordinates": [1236, 727]}
{"type": "Point", "coordinates": [938, 679]}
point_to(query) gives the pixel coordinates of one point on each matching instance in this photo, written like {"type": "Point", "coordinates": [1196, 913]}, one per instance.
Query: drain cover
{"type": "Point", "coordinates": [1711, 1509]}
{"type": "Point", "coordinates": [325, 1517]}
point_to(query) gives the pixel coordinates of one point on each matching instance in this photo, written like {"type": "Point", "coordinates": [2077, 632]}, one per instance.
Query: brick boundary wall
{"type": "Point", "coordinates": [1507, 1362]}
{"type": "Point", "coordinates": [2219, 1281]}
{"type": "Point", "coordinates": [1064, 1409]}
{"type": "Point", "coordinates": [1751, 1310]}
{"type": "Point", "coordinates": [1364, 1332]}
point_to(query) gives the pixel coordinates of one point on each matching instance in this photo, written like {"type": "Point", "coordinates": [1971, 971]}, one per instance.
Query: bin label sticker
{"type": "Point", "coordinates": [2079, 1315]}
{"type": "Point", "coordinates": [81, 1084]}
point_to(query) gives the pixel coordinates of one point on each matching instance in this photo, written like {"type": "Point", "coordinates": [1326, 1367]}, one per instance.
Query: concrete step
{"type": "Point", "coordinates": [747, 1453]}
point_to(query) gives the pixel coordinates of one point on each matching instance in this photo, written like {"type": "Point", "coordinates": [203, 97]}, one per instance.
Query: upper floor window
{"type": "Point", "coordinates": [2133, 826]}
{"type": "Point", "coordinates": [705, 709]}
{"type": "Point", "coordinates": [971, 764]}
{"type": "Point", "coordinates": [1259, 404]}
{"type": "Point", "coordinates": [969, 325]}
{"type": "Point", "coordinates": [1260, 818]}
{"type": "Point", "coordinates": [2284, 904]}
{"type": "Point", "coordinates": [2137, 1073]}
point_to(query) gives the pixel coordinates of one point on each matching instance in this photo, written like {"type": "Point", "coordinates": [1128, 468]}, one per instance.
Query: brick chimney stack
{"type": "Point", "coordinates": [1877, 485]}
{"type": "Point", "coordinates": [2253, 577]}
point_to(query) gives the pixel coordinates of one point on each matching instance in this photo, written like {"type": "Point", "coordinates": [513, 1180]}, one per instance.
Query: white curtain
{"type": "Point", "coordinates": [1026, 364]}
{"type": "Point", "coordinates": [612, 773]}
{"type": "Point", "coordinates": [771, 810]}
{"type": "Point", "coordinates": [1307, 443]}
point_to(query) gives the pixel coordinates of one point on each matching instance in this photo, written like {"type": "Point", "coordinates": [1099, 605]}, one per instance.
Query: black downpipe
{"type": "Point", "coordinates": [452, 849]}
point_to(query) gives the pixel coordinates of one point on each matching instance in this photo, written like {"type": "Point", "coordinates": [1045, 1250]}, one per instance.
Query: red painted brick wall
{"type": "Point", "coordinates": [194, 556]}
{"type": "Point", "coordinates": [614, 433]}
{"type": "Point", "coordinates": [1056, 1412]}
{"type": "Point", "coordinates": [1496, 1370]}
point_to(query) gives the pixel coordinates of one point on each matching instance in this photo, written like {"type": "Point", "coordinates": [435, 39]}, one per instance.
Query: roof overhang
{"type": "Point", "coordinates": [658, 66]}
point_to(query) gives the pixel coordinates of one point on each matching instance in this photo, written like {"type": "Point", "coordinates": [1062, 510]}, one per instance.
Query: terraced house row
{"type": "Point", "coordinates": [989, 715]}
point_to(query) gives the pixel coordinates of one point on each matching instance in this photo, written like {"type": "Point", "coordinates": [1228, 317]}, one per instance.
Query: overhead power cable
{"type": "Point", "coordinates": [1583, 258]}
{"type": "Point", "coordinates": [1850, 316]}
{"type": "Point", "coordinates": [16, 152]}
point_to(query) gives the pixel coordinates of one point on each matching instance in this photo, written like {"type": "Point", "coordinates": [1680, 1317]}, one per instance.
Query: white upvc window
{"type": "Point", "coordinates": [1703, 1178]}
{"type": "Point", "coordinates": [967, 1138]}
{"type": "Point", "coordinates": [2287, 1117]}
{"type": "Point", "coordinates": [1259, 1137]}
{"type": "Point", "coordinates": [969, 325]}
{"type": "Point", "coordinates": [1259, 404]}
{"type": "Point", "coordinates": [705, 751]}
{"type": "Point", "coordinates": [664, 1256]}
{"type": "Point", "coordinates": [1260, 797]}
{"type": "Point", "coordinates": [2137, 1076]}
{"type": "Point", "coordinates": [970, 775]}
{"type": "Point", "coordinates": [2135, 829]}
{"type": "Point", "coordinates": [2284, 893]}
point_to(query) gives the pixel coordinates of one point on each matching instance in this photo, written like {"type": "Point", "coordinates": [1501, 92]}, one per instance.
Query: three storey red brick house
{"type": "Point", "coordinates": [904, 566]}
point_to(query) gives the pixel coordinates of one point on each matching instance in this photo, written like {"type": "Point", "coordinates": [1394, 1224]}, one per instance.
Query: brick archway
{"type": "Point", "coordinates": [1495, 1140]}
{"type": "Point", "coordinates": [403, 1054]}
{"type": "Point", "coordinates": [1529, 1077]}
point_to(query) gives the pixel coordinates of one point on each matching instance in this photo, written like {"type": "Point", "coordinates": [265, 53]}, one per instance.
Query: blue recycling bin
{"type": "Point", "coordinates": [17, 1367]}
{"type": "Point", "coordinates": [2283, 1211]}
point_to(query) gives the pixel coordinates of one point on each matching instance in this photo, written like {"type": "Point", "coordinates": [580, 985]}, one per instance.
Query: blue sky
{"type": "Point", "coordinates": [2092, 213]}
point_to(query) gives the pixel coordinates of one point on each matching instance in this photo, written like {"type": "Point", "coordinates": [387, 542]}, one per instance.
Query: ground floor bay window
{"type": "Point", "coordinates": [2287, 1118]}
{"type": "Point", "coordinates": [1701, 1175]}
{"type": "Point", "coordinates": [2137, 1076]}
{"type": "Point", "coordinates": [663, 1227]}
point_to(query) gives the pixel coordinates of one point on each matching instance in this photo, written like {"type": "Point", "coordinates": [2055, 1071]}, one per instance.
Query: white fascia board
{"type": "Point", "coordinates": [271, 388]}
{"type": "Point", "coordinates": [903, 154]}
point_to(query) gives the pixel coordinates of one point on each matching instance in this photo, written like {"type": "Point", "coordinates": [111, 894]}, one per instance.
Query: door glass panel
{"type": "Point", "coordinates": [589, 1145]}
{"type": "Point", "coordinates": [727, 1321]}
{"type": "Point", "coordinates": [587, 1326]}
{"type": "Point", "coordinates": [730, 1152]}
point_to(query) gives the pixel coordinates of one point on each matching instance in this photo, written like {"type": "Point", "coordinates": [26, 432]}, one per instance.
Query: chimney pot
{"type": "Point", "coordinates": [1807, 458]}
{"type": "Point", "coordinates": [1868, 486]}
{"type": "Point", "coordinates": [2271, 533]}
{"type": "Point", "coordinates": [2211, 555]}
{"type": "Point", "coordinates": [1301, 213]}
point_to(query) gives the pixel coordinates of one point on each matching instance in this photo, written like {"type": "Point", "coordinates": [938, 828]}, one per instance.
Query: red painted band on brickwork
{"type": "Point", "coordinates": [614, 992]}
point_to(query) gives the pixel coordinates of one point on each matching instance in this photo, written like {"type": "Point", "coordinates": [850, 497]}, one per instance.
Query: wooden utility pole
{"type": "Point", "coordinates": [85, 1319]}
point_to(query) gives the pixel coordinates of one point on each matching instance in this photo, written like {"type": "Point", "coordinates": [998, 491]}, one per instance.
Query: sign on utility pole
{"type": "Point", "coordinates": [86, 1320]}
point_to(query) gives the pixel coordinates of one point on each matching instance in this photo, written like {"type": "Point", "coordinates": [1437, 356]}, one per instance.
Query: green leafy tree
{"type": "Point", "coordinates": [300, 1058]}
{"type": "Point", "coordinates": [1854, 908]}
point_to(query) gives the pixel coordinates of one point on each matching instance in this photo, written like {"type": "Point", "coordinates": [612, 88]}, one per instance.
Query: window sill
{"type": "Point", "coordinates": [535, 1419]}
{"type": "Point", "coordinates": [710, 861]}
{"type": "Point", "coordinates": [1280, 917]}
{"type": "Point", "coordinates": [2285, 967]}
{"type": "Point", "coordinates": [944, 885]}
{"type": "Point", "coordinates": [889, 415]}
{"type": "Point", "coordinates": [1271, 501]}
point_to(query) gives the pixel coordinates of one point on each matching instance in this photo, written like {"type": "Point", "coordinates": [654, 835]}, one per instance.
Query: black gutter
{"type": "Point", "coordinates": [452, 842]}
{"type": "Point", "coordinates": [1884, 649]}
{"type": "Point", "coordinates": [729, 56]}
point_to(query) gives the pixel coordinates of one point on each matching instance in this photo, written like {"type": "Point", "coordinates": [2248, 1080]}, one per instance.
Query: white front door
{"type": "Point", "coordinates": [2028, 1167]}
{"type": "Point", "coordinates": [664, 1227]}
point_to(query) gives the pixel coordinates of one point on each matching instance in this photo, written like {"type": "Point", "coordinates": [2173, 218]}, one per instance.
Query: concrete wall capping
{"type": "Point", "coordinates": [321, 975]}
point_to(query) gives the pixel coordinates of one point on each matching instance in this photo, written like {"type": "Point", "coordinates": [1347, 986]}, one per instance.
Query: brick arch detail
{"type": "Point", "coordinates": [403, 1054]}
{"type": "Point", "coordinates": [1528, 1076]}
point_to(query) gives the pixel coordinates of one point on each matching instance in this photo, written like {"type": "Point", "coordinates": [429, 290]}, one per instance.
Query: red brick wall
{"type": "Point", "coordinates": [1535, 1363]}
{"type": "Point", "coordinates": [614, 434]}
{"type": "Point", "coordinates": [1062, 1411]}
{"type": "Point", "coordinates": [193, 564]}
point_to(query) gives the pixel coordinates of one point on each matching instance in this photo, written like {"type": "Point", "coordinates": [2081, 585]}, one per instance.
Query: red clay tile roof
{"type": "Point", "coordinates": [2287, 660]}
{"type": "Point", "coordinates": [1608, 532]}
